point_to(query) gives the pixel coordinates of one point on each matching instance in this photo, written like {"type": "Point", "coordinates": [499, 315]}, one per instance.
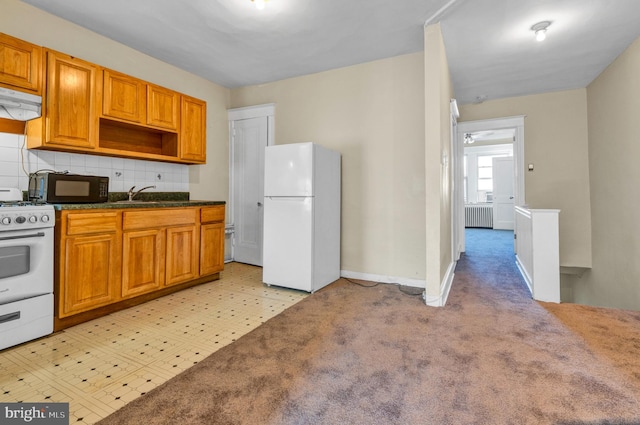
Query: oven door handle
{"type": "Point", "coordinates": [32, 235]}
{"type": "Point", "coordinates": [10, 317]}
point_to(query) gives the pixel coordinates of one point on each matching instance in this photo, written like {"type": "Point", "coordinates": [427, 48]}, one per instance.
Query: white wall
{"type": "Point", "coordinates": [373, 114]}
{"type": "Point", "coordinates": [614, 149]}
{"type": "Point", "coordinates": [437, 163]}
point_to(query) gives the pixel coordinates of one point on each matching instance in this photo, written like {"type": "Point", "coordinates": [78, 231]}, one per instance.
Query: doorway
{"type": "Point", "coordinates": [512, 127]}
{"type": "Point", "coordinates": [251, 130]}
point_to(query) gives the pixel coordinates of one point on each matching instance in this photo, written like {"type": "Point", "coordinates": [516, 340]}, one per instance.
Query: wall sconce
{"type": "Point", "coordinates": [540, 29]}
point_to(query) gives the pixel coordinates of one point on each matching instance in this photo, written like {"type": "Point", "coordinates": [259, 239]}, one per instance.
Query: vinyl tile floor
{"type": "Point", "coordinates": [101, 365]}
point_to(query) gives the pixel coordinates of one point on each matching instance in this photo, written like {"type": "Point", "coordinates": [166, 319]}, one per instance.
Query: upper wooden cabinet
{"type": "Point", "coordinates": [70, 112]}
{"type": "Point", "coordinates": [90, 109]}
{"type": "Point", "coordinates": [163, 107]}
{"type": "Point", "coordinates": [193, 130]}
{"type": "Point", "coordinates": [134, 100]}
{"type": "Point", "coordinates": [124, 97]}
{"type": "Point", "coordinates": [71, 101]}
{"type": "Point", "coordinates": [20, 65]}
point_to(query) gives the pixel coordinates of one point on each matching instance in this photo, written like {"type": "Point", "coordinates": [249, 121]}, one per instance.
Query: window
{"type": "Point", "coordinates": [485, 173]}
{"type": "Point", "coordinates": [478, 171]}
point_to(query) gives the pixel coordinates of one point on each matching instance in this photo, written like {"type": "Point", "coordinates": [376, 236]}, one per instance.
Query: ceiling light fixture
{"type": "Point", "coordinates": [259, 3]}
{"type": "Point", "coordinates": [468, 139]}
{"type": "Point", "coordinates": [541, 29]}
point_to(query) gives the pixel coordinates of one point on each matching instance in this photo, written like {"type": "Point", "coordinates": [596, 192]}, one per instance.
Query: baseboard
{"type": "Point", "coordinates": [445, 288]}
{"type": "Point", "coordinates": [525, 275]}
{"type": "Point", "coordinates": [416, 283]}
{"type": "Point", "coordinates": [439, 301]}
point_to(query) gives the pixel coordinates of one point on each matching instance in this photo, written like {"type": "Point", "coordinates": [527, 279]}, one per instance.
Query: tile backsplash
{"type": "Point", "coordinates": [16, 162]}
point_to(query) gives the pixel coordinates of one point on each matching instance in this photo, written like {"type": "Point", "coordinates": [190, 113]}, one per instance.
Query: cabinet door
{"type": "Point", "coordinates": [71, 110]}
{"type": "Point", "coordinates": [193, 138]}
{"type": "Point", "coordinates": [124, 97]}
{"type": "Point", "coordinates": [182, 254]}
{"type": "Point", "coordinates": [211, 248]}
{"type": "Point", "coordinates": [90, 273]}
{"type": "Point", "coordinates": [142, 261]}
{"type": "Point", "coordinates": [163, 107]}
{"type": "Point", "coordinates": [20, 64]}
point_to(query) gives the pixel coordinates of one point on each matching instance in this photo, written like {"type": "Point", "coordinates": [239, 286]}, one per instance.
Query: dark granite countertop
{"type": "Point", "coordinates": [143, 200]}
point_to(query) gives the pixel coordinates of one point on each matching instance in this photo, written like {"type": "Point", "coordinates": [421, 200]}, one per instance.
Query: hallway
{"type": "Point", "coordinates": [488, 268]}
{"type": "Point", "coordinates": [490, 252]}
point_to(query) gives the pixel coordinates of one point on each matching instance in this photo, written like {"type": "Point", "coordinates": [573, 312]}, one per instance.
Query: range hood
{"type": "Point", "coordinates": [20, 106]}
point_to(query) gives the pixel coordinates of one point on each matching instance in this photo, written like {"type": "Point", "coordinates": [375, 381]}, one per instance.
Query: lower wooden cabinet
{"type": "Point", "coordinates": [108, 259]}
{"type": "Point", "coordinates": [181, 254]}
{"type": "Point", "coordinates": [142, 261]}
{"type": "Point", "coordinates": [212, 239]}
{"type": "Point", "coordinates": [211, 248]}
{"type": "Point", "coordinates": [91, 273]}
{"type": "Point", "coordinates": [161, 248]}
{"type": "Point", "coordinates": [88, 260]}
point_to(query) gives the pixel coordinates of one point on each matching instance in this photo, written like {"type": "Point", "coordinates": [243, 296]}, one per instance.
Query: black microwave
{"type": "Point", "coordinates": [63, 188]}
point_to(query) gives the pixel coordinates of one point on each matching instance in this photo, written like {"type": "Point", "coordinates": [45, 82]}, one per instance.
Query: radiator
{"type": "Point", "coordinates": [478, 216]}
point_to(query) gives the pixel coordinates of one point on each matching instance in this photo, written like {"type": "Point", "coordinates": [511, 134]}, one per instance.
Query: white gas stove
{"type": "Point", "coordinates": [26, 269]}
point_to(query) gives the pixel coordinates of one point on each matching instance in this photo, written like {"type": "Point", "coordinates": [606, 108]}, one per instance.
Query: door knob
{"type": "Point", "coordinates": [259, 203]}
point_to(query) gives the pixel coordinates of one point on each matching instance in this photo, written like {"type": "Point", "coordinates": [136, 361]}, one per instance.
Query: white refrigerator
{"type": "Point", "coordinates": [301, 216]}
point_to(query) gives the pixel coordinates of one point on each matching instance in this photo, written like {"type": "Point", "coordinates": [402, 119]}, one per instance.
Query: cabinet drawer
{"type": "Point", "coordinates": [211, 214]}
{"type": "Point", "coordinates": [87, 223]}
{"type": "Point", "coordinates": [158, 218]}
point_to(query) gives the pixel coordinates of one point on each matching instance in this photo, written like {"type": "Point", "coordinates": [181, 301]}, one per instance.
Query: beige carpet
{"type": "Point", "coordinates": [354, 355]}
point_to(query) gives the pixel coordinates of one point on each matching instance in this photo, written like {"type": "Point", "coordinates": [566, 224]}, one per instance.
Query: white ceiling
{"type": "Point", "coordinates": [490, 47]}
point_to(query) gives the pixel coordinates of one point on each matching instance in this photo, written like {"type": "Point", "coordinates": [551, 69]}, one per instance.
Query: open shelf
{"type": "Point", "coordinates": [137, 140]}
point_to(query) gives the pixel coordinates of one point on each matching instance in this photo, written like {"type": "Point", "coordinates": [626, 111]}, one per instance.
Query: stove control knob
{"type": "Point", "coordinates": [44, 218]}
{"type": "Point", "coordinates": [33, 219]}
{"type": "Point", "coordinates": [5, 220]}
{"type": "Point", "coordinates": [20, 219]}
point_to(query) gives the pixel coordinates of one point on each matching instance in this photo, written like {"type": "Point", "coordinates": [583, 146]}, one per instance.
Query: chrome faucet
{"type": "Point", "coordinates": [133, 194]}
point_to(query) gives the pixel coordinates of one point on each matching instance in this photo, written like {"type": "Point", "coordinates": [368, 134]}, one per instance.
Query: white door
{"type": "Point", "coordinates": [503, 203]}
{"type": "Point", "coordinates": [288, 243]}
{"type": "Point", "coordinates": [249, 140]}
